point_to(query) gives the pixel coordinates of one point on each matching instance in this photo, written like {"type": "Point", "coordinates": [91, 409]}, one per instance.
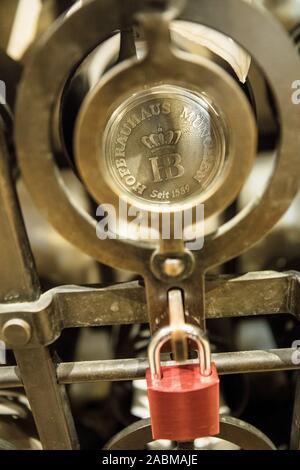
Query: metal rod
{"type": "Point", "coordinates": [54, 421]}
{"type": "Point", "coordinates": [295, 431]}
{"type": "Point", "coordinates": [177, 319]}
{"type": "Point", "coordinates": [19, 283]}
{"type": "Point", "coordinates": [133, 369]}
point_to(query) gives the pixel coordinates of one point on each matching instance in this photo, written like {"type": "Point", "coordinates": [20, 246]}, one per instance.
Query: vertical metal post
{"type": "Point", "coordinates": [19, 283]}
{"type": "Point", "coordinates": [47, 399]}
{"type": "Point", "coordinates": [295, 431]}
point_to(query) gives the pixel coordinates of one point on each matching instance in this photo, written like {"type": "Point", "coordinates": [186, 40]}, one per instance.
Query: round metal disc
{"type": "Point", "coordinates": [165, 145]}
{"type": "Point", "coordinates": [247, 437]}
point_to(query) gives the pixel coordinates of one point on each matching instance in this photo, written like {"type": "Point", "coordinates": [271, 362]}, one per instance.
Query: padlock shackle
{"type": "Point", "coordinates": [164, 334]}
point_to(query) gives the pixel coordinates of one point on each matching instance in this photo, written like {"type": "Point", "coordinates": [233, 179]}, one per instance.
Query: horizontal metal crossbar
{"type": "Point", "coordinates": [134, 369]}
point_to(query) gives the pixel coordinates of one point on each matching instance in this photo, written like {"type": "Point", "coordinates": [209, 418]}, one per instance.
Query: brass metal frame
{"type": "Point", "coordinates": [40, 90]}
{"type": "Point", "coordinates": [31, 321]}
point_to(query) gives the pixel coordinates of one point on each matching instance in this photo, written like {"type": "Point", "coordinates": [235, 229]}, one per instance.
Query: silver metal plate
{"type": "Point", "coordinates": [165, 145]}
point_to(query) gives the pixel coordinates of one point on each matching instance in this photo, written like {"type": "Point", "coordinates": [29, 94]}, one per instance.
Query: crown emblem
{"type": "Point", "coordinates": [161, 139]}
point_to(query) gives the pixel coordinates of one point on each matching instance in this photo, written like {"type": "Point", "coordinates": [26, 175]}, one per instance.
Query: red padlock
{"type": "Point", "coordinates": [183, 399]}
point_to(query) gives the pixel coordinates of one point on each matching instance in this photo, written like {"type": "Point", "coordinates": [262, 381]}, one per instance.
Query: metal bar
{"type": "Point", "coordinates": [114, 305]}
{"type": "Point", "coordinates": [19, 284]}
{"type": "Point", "coordinates": [177, 319]}
{"type": "Point", "coordinates": [133, 369]}
{"type": "Point", "coordinates": [19, 281]}
{"type": "Point", "coordinates": [256, 293]}
{"type": "Point", "coordinates": [47, 399]}
{"type": "Point", "coordinates": [263, 293]}
{"type": "Point", "coordinates": [295, 431]}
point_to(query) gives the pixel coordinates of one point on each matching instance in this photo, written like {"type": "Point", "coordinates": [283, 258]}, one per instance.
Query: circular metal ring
{"type": "Point", "coordinates": [244, 435]}
{"type": "Point", "coordinates": [183, 73]}
{"type": "Point", "coordinates": [48, 70]}
{"type": "Point", "coordinates": [191, 127]}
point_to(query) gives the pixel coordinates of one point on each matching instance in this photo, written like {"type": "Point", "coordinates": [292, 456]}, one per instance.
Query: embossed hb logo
{"type": "Point", "coordinates": [168, 165]}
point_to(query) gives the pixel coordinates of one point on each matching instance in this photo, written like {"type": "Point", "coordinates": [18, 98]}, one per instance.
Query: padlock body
{"type": "Point", "coordinates": [184, 405]}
